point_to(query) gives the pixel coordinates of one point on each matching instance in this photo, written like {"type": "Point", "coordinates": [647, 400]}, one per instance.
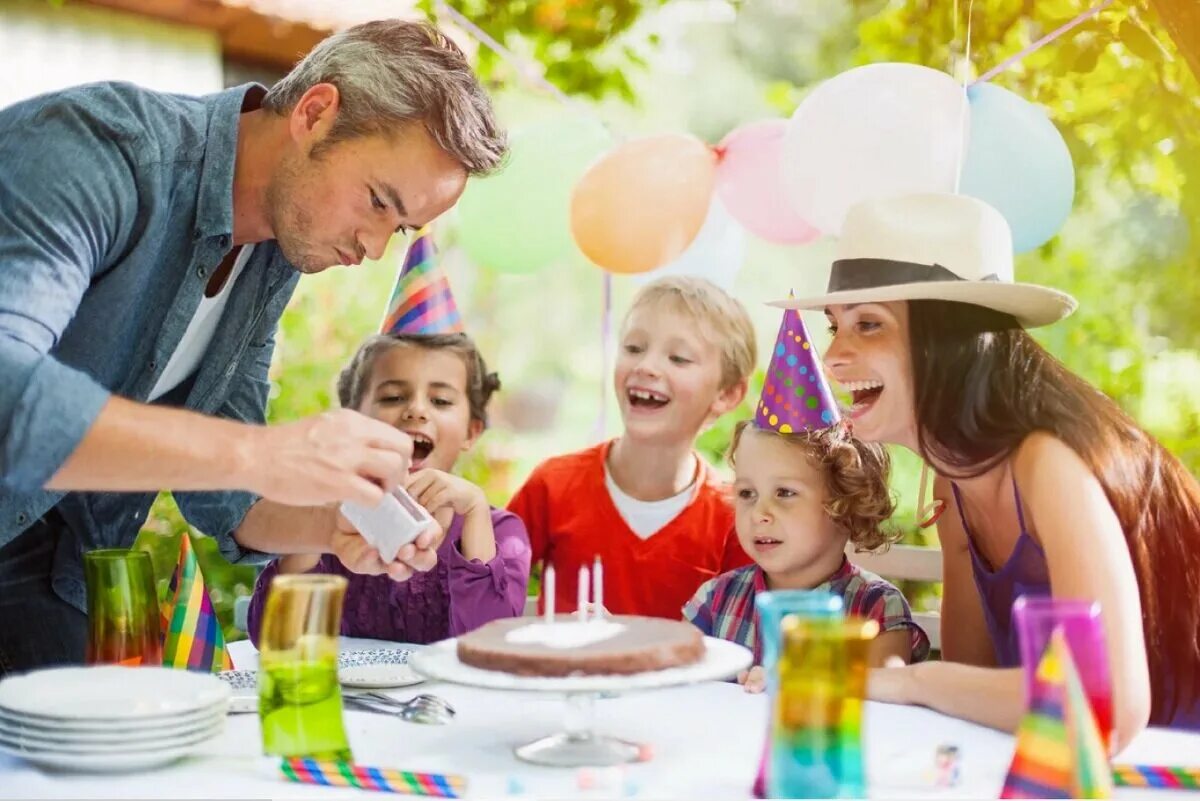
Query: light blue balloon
{"type": "Point", "coordinates": [1018, 163]}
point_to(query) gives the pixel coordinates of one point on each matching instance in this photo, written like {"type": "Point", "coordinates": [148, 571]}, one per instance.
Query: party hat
{"type": "Point", "coordinates": [421, 302]}
{"type": "Point", "coordinates": [192, 636]}
{"type": "Point", "coordinates": [795, 395]}
{"type": "Point", "coordinates": [1059, 752]}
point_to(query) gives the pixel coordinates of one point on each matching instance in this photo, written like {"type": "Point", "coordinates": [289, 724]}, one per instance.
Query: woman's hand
{"type": "Point", "coordinates": [890, 683]}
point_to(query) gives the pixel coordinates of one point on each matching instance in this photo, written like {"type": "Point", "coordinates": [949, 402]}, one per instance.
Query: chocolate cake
{"type": "Point", "coordinates": [617, 644]}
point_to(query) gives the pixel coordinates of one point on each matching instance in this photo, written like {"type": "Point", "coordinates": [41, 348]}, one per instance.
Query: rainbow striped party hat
{"type": "Point", "coordinates": [192, 636]}
{"type": "Point", "coordinates": [1059, 751]}
{"type": "Point", "coordinates": [421, 301]}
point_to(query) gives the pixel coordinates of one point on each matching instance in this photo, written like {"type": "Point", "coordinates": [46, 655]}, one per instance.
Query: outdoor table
{"type": "Point", "coordinates": [705, 742]}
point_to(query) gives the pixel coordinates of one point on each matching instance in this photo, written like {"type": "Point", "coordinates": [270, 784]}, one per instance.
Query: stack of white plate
{"type": "Point", "coordinates": [109, 718]}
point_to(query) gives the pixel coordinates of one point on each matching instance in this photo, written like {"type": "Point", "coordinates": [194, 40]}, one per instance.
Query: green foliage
{"type": "Point", "coordinates": [581, 46]}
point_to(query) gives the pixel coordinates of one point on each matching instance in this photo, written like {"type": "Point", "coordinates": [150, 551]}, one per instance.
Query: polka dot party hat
{"type": "Point", "coordinates": [795, 395]}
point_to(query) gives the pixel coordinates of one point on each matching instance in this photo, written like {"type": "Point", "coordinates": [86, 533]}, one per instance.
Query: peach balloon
{"type": "Point", "coordinates": [642, 203]}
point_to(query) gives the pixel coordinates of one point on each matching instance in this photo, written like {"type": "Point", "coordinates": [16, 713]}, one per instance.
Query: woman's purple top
{"type": "Point", "coordinates": [1025, 573]}
{"type": "Point", "coordinates": [456, 596]}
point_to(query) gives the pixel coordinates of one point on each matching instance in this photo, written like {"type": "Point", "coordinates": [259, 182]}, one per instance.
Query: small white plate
{"type": "Point", "coordinates": [29, 744]}
{"type": "Point", "coordinates": [103, 763]}
{"type": "Point", "coordinates": [377, 669]}
{"type": "Point", "coordinates": [110, 692]}
{"type": "Point", "coordinates": [16, 729]}
{"type": "Point", "coordinates": [118, 727]}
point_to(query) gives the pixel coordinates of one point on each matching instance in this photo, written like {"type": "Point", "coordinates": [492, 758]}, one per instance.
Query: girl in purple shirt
{"type": "Point", "coordinates": [435, 388]}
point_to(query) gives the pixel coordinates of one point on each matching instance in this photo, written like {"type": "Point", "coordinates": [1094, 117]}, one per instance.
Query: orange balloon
{"type": "Point", "coordinates": [643, 202]}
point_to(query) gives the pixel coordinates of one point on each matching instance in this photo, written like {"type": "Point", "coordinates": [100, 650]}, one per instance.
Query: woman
{"type": "Point", "coordinates": [1047, 486]}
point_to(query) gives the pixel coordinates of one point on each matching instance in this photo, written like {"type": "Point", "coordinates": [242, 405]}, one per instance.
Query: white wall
{"type": "Point", "coordinates": [44, 47]}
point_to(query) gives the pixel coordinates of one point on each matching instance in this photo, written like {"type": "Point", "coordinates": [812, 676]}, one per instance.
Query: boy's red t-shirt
{"type": "Point", "coordinates": [571, 519]}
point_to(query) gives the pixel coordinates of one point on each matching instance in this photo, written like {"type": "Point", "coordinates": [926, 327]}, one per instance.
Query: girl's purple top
{"type": "Point", "coordinates": [456, 596]}
{"type": "Point", "coordinates": [1025, 573]}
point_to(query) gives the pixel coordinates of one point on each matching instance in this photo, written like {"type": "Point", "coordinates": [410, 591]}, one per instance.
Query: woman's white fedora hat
{"type": "Point", "coordinates": [932, 247]}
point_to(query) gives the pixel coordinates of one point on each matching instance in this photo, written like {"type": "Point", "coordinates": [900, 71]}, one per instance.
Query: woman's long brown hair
{"type": "Point", "coordinates": [983, 385]}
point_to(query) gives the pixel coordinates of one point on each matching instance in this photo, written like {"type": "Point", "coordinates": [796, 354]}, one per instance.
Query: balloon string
{"type": "Point", "coordinates": [605, 356]}
{"type": "Point", "coordinates": [1040, 43]}
{"type": "Point", "coordinates": [964, 70]}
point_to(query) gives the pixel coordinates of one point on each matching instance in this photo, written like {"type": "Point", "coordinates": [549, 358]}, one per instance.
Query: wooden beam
{"type": "Point", "coordinates": [244, 33]}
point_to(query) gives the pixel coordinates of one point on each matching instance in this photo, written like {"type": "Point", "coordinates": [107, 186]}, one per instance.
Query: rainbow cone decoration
{"type": "Point", "coordinates": [192, 636]}
{"type": "Point", "coordinates": [1059, 750]}
{"type": "Point", "coordinates": [795, 396]}
{"type": "Point", "coordinates": [421, 301]}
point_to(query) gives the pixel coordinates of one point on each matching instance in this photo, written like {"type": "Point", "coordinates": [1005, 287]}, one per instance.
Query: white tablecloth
{"type": "Point", "coordinates": [706, 741]}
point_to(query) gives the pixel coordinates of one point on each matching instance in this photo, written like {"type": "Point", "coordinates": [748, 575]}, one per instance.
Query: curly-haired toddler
{"type": "Point", "coordinates": [799, 499]}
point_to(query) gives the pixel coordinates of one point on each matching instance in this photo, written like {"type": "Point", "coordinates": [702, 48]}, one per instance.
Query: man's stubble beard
{"type": "Point", "coordinates": [288, 218]}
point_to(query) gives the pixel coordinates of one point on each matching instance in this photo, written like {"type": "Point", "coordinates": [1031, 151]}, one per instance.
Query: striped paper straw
{"type": "Point", "coordinates": [385, 780]}
{"type": "Point", "coordinates": [1156, 776]}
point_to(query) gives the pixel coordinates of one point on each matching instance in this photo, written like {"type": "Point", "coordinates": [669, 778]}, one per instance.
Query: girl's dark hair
{"type": "Point", "coordinates": [983, 384]}
{"type": "Point", "coordinates": [856, 479]}
{"type": "Point", "coordinates": [353, 380]}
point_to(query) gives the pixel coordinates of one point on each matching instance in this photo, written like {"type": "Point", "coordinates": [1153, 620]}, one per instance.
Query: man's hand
{"type": "Point", "coordinates": [336, 456]}
{"type": "Point", "coordinates": [359, 556]}
{"type": "Point", "coordinates": [437, 490]}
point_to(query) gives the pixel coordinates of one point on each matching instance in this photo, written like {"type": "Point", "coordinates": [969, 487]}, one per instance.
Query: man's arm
{"type": "Point", "coordinates": [339, 455]}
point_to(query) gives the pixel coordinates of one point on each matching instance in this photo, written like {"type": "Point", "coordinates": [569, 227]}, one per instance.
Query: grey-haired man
{"type": "Point", "coordinates": [148, 246]}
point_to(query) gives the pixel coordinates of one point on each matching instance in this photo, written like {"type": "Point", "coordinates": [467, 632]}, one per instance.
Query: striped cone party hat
{"type": "Point", "coordinates": [1059, 751]}
{"type": "Point", "coordinates": [421, 301]}
{"type": "Point", "coordinates": [192, 636]}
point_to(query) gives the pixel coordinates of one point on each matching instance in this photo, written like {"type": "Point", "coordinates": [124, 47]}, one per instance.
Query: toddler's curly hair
{"type": "Point", "coordinates": [856, 479]}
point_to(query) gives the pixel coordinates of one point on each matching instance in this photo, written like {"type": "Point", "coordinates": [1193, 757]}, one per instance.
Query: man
{"type": "Point", "coordinates": [148, 246]}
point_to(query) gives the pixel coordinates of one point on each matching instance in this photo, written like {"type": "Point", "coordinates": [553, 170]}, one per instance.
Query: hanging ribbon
{"type": "Point", "coordinates": [1040, 43]}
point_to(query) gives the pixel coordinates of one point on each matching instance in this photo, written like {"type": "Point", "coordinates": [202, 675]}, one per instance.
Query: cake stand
{"type": "Point", "coordinates": [579, 745]}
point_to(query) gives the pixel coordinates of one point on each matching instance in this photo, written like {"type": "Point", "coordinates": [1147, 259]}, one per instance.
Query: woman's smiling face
{"type": "Point", "coordinates": [871, 358]}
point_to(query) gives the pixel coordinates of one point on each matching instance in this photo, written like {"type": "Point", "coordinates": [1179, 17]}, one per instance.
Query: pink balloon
{"type": "Point", "coordinates": [750, 183]}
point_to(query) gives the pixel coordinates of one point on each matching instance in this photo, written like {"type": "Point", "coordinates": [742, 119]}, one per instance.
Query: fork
{"type": "Point", "coordinates": [423, 708]}
{"type": "Point", "coordinates": [425, 698]}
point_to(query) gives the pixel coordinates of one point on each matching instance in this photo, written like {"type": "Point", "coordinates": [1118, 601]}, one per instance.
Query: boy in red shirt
{"type": "Point", "coordinates": [646, 503]}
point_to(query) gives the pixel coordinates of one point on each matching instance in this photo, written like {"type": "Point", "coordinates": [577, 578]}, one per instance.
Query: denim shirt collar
{"type": "Point", "coordinates": [214, 209]}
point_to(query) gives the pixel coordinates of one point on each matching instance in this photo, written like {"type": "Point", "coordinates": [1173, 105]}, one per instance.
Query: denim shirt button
{"type": "Point", "coordinates": [153, 365]}
{"type": "Point", "coordinates": [21, 517]}
{"type": "Point", "coordinates": [201, 272]}
{"type": "Point", "coordinates": [196, 235]}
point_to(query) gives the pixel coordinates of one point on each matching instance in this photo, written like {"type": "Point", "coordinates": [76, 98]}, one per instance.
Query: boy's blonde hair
{"type": "Point", "coordinates": [722, 319]}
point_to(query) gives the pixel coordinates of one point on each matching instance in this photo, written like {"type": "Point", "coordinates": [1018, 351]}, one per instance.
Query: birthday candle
{"type": "Point", "coordinates": [548, 592]}
{"type": "Point", "coordinates": [598, 586]}
{"type": "Point", "coordinates": [581, 609]}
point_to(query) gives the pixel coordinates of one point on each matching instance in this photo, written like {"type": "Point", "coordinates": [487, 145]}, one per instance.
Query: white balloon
{"type": "Point", "coordinates": [873, 131]}
{"type": "Point", "coordinates": [717, 252]}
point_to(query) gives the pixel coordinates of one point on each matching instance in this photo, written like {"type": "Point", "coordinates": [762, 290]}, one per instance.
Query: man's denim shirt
{"type": "Point", "coordinates": [116, 206]}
